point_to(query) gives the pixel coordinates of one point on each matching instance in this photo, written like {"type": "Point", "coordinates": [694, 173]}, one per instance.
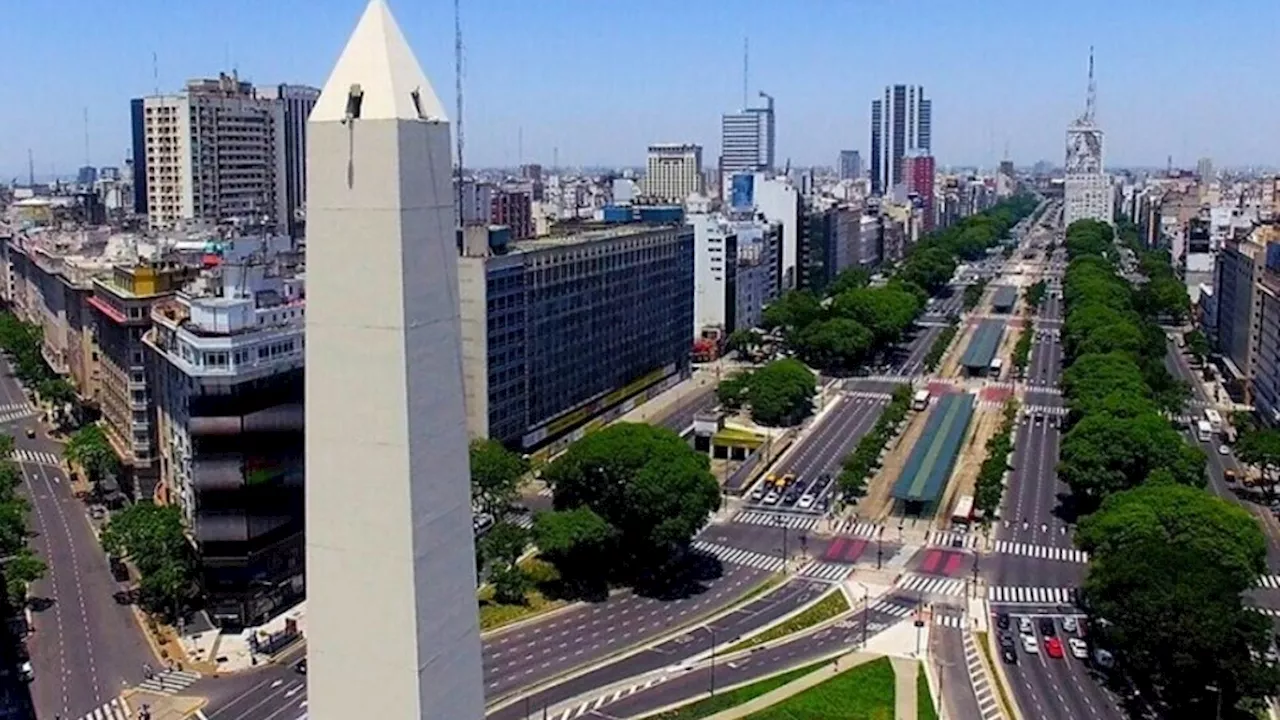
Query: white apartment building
{"type": "Point", "coordinates": [733, 271]}
{"type": "Point", "coordinates": [215, 152]}
{"type": "Point", "coordinates": [673, 172]}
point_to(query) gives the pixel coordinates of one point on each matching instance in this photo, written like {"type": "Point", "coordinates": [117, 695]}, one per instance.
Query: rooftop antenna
{"type": "Point", "coordinates": [1091, 99]}
{"type": "Point", "coordinates": [86, 137]}
{"type": "Point", "coordinates": [746, 66]}
{"type": "Point", "coordinates": [457, 72]}
{"type": "Point", "coordinates": [155, 72]}
{"type": "Point", "coordinates": [31, 169]}
{"type": "Point", "coordinates": [520, 147]}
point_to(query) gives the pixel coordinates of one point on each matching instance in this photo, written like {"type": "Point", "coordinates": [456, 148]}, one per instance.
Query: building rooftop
{"type": "Point", "coordinates": [586, 232]}
{"type": "Point", "coordinates": [1005, 297]}
{"type": "Point", "coordinates": [933, 456]}
{"type": "Point", "coordinates": [982, 346]}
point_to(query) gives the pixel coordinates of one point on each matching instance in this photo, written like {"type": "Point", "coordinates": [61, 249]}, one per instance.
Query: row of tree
{"type": "Point", "coordinates": [973, 294]}
{"type": "Point", "coordinates": [940, 345]}
{"type": "Point", "coordinates": [1022, 348]}
{"type": "Point", "coordinates": [18, 564]}
{"type": "Point", "coordinates": [989, 487]}
{"type": "Point", "coordinates": [1035, 293]}
{"type": "Point", "coordinates": [1168, 561]}
{"type": "Point", "coordinates": [89, 448]}
{"type": "Point", "coordinates": [22, 342]}
{"type": "Point", "coordinates": [858, 466]}
{"type": "Point", "coordinates": [154, 539]}
{"type": "Point", "coordinates": [780, 393]}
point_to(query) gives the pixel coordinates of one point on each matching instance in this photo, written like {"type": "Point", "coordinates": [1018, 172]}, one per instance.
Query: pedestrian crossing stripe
{"type": "Point", "coordinates": [114, 710]}
{"type": "Point", "coordinates": [15, 413]}
{"type": "Point", "coordinates": [1010, 595]}
{"type": "Point", "coordinates": [1043, 552]}
{"type": "Point", "coordinates": [867, 395]}
{"type": "Point", "coordinates": [857, 529]}
{"type": "Point", "coordinates": [1029, 410]}
{"type": "Point", "coordinates": [834, 572]}
{"type": "Point", "coordinates": [738, 556]}
{"type": "Point", "coordinates": [795, 522]}
{"type": "Point", "coordinates": [951, 621]}
{"type": "Point", "coordinates": [608, 698]}
{"type": "Point", "coordinates": [35, 456]}
{"type": "Point", "coordinates": [1269, 581]}
{"type": "Point", "coordinates": [1273, 612]}
{"type": "Point", "coordinates": [170, 682]}
{"type": "Point", "coordinates": [932, 585]}
{"type": "Point", "coordinates": [17, 408]}
{"type": "Point", "coordinates": [948, 538]}
{"type": "Point", "coordinates": [889, 607]}
{"type": "Point", "coordinates": [524, 520]}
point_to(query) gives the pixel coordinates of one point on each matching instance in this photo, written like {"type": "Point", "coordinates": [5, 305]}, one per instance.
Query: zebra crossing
{"type": "Point", "coordinates": [608, 698]}
{"type": "Point", "coordinates": [951, 621]}
{"type": "Point", "coordinates": [950, 538]}
{"type": "Point", "coordinates": [886, 606]}
{"type": "Point", "coordinates": [868, 395]}
{"type": "Point", "coordinates": [829, 571]}
{"type": "Point", "coordinates": [523, 520]}
{"type": "Point", "coordinates": [35, 456]}
{"type": "Point", "coordinates": [857, 529]}
{"type": "Point", "coordinates": [1016, 595]}
{"type": "Point", "coordinates": [738, 556]}
{"type": "Point", "coordinates": [1269, 581]}
{"type": "Point", "coordinates": [170, 682]}
{"type": "Point", "coordinates": [932, 585]}
{"type": "Point", "coordinates": [794, 522]}
{"type": "Point", "coordinates": [114, 710]}
{"type": "Point", "coordinates": [1045, 552]}
{"type": "Point", "coordinates": [1030, 410]}
{"type": "Point", "coordinates": [16, 411]}
{"type": "Point", "coordinates": [988, 705]}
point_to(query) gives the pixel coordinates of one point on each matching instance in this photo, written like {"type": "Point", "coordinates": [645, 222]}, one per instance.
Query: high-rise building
{"type": "Point", "coordinates": [551, 342]}
{"type": "Point", "coordinates": [747, 140]}
{"type": "Point", "coordinates": [918, 173]}
{"type": "Point", "coordinates": [215, 152]}
{"type": "Point", "coordinates": [298, 100]}
{"type": "Point", "coordinates": [1087, 190]}
{"type": "Point", "coordinates": [391, 570]}
{"type": "Point", "coordinates": [673, 172]}
{"type": "Point", "coordinates": [513, 208]}
{"type": "Point", "coordinates": [138, 131]}
{"type": "Point", "coordinates": [1204, 169]}
{"type": "Point", "coordinates": [227, 355]}
{"type": "Point", "coordinates": [850, 165]}
{"type": "Point", "coordinates": [900, 121]}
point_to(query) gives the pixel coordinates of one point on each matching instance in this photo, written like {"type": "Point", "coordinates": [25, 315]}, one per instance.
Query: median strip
{"type": "Point", "coordinates": [831, 605]}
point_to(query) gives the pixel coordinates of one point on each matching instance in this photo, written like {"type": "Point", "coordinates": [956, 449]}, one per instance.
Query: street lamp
{"type": "Point", "coordinates": [712, 632]}
{"type": "Point", "coordinates": [879, 547]}
{"type": "Point", "coordinates": [866, 609]}
{"type": "Point", "coordinates": [780, 522]}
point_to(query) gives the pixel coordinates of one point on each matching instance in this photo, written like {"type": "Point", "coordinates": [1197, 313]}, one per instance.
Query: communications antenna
{"type": "Point", "coordinates": [746, 65]}
{"type": "Point", "coordinates": [1091, 99]}
{"type": "Point", "coordinates": [457, 71]}
{"type": "Point", "coordinates": [86, 138]}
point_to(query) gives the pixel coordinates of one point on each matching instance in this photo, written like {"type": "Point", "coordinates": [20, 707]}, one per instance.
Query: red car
{"type": "Point", "coordinates": [1053, 647]}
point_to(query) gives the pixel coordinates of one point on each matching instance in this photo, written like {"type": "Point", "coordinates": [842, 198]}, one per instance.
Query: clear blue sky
{"type": "Point", "coordinates": [600, 79]}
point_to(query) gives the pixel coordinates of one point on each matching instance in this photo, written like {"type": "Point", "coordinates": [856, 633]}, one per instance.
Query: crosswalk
{"type": "Point", "coordinates": [832, 572]}
{"type": "Point", "coordinates": [738, 556]}
{"type": "Point", "coordinates": [867, 395]}
{"type": "Point", "coordinates": [950, 538]}
{"type": "Point", "coordinates": [1269, 581]}
{"type": "Point", "coordinates": [114, 710]}
{"type": "Point", "coordinates": [170, 682]}
{"type": "Point", "coordinates": [988, 705]}
{"type": "Point", "coordinates": [888, 606]}
{"type": "Point", "coordinates": [932, 585]}
{"type": "Point", "coordinates": [607, 698]}
{"type": "Point", "coordinates": [795, 522]}
{"type": "Point", "coordinates": [1029, 410]}
{"type": "Point", "coordinates": [35, 456]}
{"type": "Point", "coordinates": [1043, 552]}
{"type": "Point", "coordinates": [17, 411]}
{"type": "Point", "coordinates": [1011, 595]}
{"type": "Point", "coordinates": [523, 520]}
{"type": "Point", "coordinates": [951, 621]}
{"type": "Point", "coordinates": [857, 529]}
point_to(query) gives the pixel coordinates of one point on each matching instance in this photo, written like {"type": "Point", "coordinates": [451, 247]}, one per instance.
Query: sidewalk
{"type": "Point", "coordinates": [162, 707]}
{"type": "Point", "coordinates": [904, 688]}
{"type": "Point", "coordinates": [822, 674]}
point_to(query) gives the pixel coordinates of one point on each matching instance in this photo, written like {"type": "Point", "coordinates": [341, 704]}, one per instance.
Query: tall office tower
{"type": "Point", "coordinates": [673, 172]}
{"type": "Point", "coordinates": [214, 152]}
{"type": "Point", "coordinates": [390, 556]}
{"type": "Point", "coordinates": [138, 128]}
{"type": "Point", "coordinates": [1087, 188]}
{"type": "Point", "coordinates": [298, 100]}
{"type": "Point", "coordinates": [1204, 169]}
{"type": "Point", "coordinates": [850, 165]}
{"type": "Point", "coordinates": [747, 139]}
{"type": "Point", "coordinates": [902, 120]}
{"type": "Point", "coordinates": [918, 175]}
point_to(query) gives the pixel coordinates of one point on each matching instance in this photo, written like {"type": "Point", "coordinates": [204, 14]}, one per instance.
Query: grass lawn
{"type": "Point", "coordinates": [733, 698]}
{"type": "Point", "coordinates": [924, 701]}
{"type": "Point", "coordinates": [833, 604]}
{"type": "Point", "coordinates": [495, 614]}
{"type": "Point", "coordinates": [863, 693]}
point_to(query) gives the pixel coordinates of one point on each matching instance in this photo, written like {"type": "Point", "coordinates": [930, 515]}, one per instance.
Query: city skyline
{"type": "Point", "coordinates": [1032, 87]}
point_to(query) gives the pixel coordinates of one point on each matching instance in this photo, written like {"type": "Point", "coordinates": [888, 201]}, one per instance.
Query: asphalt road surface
{"type": "Point", "coordinates": [949, 664]}
{"type": "Point", "coordinates": [1063, 688]}
{"type": "Point", "coordinates": [526, 655]}
{"type": "Point", "coordinates": [85, 647]}
{"type": "Point", "coordinates": [680, 417]}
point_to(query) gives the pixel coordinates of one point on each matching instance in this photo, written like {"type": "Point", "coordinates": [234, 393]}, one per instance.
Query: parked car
{"type": "Point", "coordinates": [1078, 648]}
{"type": "Point", "coordinates": [1047, 627]}
{"type": "Point", "coordinates": [1025, 627]}
{"type": "Point", "coordinates": [1002, 620]}
{"type": "Point", "coordinates": [1069, 624]}
{"type": "Point", "coordinates": [1029, 645]}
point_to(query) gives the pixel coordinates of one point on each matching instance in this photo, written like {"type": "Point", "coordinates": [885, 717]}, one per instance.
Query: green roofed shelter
{"type": "Point", "coordinates": [983, 345]}
{"type": "Point", "coordinates": [1006, 296]}
{"type": "Point", "coordinates": [934, 454]}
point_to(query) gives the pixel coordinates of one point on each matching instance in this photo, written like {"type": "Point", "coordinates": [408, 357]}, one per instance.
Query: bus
{"type": "Point", "coordinates": [1204, 431]}
{"type": "Point", "coordinates": [1214, 418]}
{"type": "Point", "coordinates": [996, 365]}
{"type": "Point", "coordinates": [963, 512]}
{"type": "Point", "coordinates": [921, 400]}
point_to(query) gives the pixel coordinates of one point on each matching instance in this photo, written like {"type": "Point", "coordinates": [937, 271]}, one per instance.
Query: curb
{"type": "Point", "coordinates": [571, 673]}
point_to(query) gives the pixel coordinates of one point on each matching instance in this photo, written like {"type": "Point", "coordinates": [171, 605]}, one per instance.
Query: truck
{"type": "Point", "coordinates": [962, 513]}
{"type": "Point", "coordinates": [1204, 431]}
{"type": "Point", "coordinates": [921, 400]}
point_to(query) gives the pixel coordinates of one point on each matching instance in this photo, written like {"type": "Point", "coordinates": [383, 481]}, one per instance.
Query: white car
{"type": "Point", "coordinates": [1029, 644]}
{"type": "Point", "coordinates": [1025, 627]}
{"type": "Point", "coordinates": [806, 501]}
{"type": "Point", "coordinates": [1069, 624]}
{"type": "Point", "coordinates": [1224, 450]}
{"type": "Point", "coordinates": [771, 498]}
{"type": "Point", "coordinates": [758, 493]}
{"type": "Point", "coordinates": [1078, 648]}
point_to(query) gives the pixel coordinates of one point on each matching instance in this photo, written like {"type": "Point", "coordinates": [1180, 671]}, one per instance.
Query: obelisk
{"type": "Point", "coordinates": [392, 629]}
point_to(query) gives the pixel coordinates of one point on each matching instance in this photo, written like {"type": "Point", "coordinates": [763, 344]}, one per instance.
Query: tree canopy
{"type": "Point", "coordinates": [154, 539]}
{"type": "Point", "coordinates": [89, 448]}
{"type": "Point", "coordinates": [496, 473]}
{"type": "Point", "coordinates": [1168, 566]}
{"type": "Point", "coordinates": [22, 567]}
{"type": "Point", "coordinates": [779, 393]}
{"type": "Point", "coordinates": [628, 501]}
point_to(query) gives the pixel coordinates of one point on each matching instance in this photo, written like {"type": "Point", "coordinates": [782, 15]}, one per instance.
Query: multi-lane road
{"type": "Point", "coordinates": [85, 648]}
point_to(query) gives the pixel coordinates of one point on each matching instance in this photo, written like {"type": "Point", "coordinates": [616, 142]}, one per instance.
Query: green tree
{"type": "Point", "coordinates": [652, 491]}
{"type": "Point", "coordinates": [732, 392]}
{"type": "Point", "coordinates": [6, 447]}
{"type": "Point", "coordinates": [838, 343]}
{"type": "Point", "coordinates": [154, 539]}
{"type": "Point", "coordinates": [1261, 448]}
{"type": "Point", "coordinates": [20, 570]}
{"type": "Point", "coordinates": [781, 392]}
{"type": "Point", "coordinates": [795, 310]}
{"type": "Point", "coordinates": [89, 448]}
{"type": "Point", "coordinates": [850, 279]}
{"type": "Point", "coordinates": [888, 312]}
{"type": "Point", "coordinates": [973, 294]}
{"type": "Point", "coordinates": [1167, 570]}
{"type": "Point", "coordinates": [580, 544]}
{"type": "Point", "coordinates": [741, 341]}
{"type": "Point", "coordinates": [1197, 346]}
{"type": "Point", "coordinates": [496, 473]}
{"type": "Point", "coordinates": [1035, 293]}
{"type": "Point", "coordinates": [500, 549]}
{"type": "Point", "coordinates": [1103, 454]}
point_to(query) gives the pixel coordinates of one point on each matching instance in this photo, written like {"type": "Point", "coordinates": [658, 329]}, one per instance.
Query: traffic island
{"type": "Point", "coordinates": [157, 706]}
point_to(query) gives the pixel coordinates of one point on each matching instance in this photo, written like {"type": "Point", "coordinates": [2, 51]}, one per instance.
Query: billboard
{"type": "Point", "coordinates": [742, 192]}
